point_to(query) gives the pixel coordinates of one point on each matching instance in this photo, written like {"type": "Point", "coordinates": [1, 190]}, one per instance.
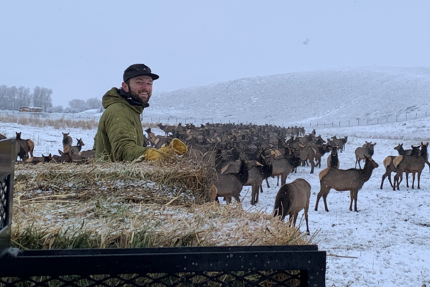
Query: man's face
{"type": "Point", "coordinates": [139, 88]}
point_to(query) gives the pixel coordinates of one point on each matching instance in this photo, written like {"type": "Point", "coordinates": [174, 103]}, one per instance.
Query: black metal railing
{"type": "Point", "coordinates": [7, 161]}
{"type": "Point", "coordinates": [288, 265]}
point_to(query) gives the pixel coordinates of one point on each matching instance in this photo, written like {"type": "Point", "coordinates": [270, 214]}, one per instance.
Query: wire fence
{"type": "Point", "coordinates": [172, 120]}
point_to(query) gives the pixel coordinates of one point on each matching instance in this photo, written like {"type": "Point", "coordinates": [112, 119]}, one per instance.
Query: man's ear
{"type": "Point", "coordinates": [125, 87]}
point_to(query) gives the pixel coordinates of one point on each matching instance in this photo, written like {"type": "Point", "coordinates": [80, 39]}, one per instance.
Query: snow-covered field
{"type": "Point", "coordinates": [386, 243]}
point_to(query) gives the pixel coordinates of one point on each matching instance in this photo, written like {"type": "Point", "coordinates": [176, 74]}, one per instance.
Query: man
{"type": "Point", "coordinates": [120, 135]}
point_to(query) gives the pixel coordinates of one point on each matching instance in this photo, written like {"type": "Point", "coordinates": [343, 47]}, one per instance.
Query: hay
{"type": "Point", "coordinates": [121, 205]}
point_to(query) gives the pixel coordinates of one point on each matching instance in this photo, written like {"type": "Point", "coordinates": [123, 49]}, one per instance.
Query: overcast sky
{"type": "Point", "coordinates": [80, 49]}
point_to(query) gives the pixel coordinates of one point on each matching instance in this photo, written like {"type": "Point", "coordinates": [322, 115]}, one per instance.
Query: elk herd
{"type": "Point", "coordinates": [70, 153]}
{"type": "Point", "coordinates": [247, 155]}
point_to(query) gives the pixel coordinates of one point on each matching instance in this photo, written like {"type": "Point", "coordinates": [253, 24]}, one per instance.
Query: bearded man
{"type": "Point", "coordinates": [120, 135]}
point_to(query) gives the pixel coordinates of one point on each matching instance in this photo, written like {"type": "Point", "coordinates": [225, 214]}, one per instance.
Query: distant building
{"type": "Point", "coordinates": [30, 109]}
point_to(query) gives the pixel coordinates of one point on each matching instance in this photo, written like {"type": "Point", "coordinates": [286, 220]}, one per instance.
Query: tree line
{"type": "Point", "coordinates": [12, 98]}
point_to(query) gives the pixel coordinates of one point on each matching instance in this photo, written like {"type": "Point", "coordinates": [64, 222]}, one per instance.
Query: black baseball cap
{"type": "Point", "coordinates": [138, 70]}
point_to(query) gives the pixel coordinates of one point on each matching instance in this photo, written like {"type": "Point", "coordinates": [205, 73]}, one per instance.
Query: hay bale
{"type": "Point", "coordinates": [120, 205]}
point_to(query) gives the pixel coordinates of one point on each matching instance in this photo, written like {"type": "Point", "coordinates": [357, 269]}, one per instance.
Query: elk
{"type": "Point", "coordinates": [77, 148]}
{"type": "Point", "coordinates": [333, 158]}
{"type": "Point", "coordinates": [361, 153]}
{"type": "Point", "coordinates": [339, 142]}
{"type": "Point", "coordinates": [283, 165]}
{"type": "Point", "coordinates": [167, 129]}
{"type": "Point", "coordinates": [389, 164]}
{"type": "Point", "coordinates": [292, 198]}
{"type": "Point", "coordinates": [389, 168]}
{"type": "Point", "coordinates": [351, 179]}
{"type": "Point", "coordinates": [260, 169]}
{"type": "Point", "coordinates": [410, 164]}
{"type": "Point", "coordinates": [88, 154]}
{"type": "Point", "coordinates": [229, 183]}
{"type": "Point", "coordinates": [157, 141]}
{"type": "Point", "coordinates": [67, 142]}
{"type": "Point", "coordinates": [2, 137]}
{"type": "Point", "coordinates": [24, 147]}
{"type": "Point", "coordinates": [308, 153]}
{"type": "Point", "coordinates": [37, 160]}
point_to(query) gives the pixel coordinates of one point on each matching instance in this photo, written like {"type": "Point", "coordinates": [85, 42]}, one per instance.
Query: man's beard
{"type": "Point", "coordinates": [136, 97]}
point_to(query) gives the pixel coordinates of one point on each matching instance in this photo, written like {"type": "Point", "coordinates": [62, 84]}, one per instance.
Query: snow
{"type": "Point", "coordinates": [385, 243]}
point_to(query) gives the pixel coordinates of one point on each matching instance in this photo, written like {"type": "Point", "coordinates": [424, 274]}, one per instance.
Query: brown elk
{"type": "Point", "coordinates": [367, 150]}
{"type": "Point", "coordinates": [260, 169]}
{"type": "Point", "coordinates": [340, 179]}
{"type": "Point", "coordinates": [2, 137]}
{"type": "Point", "coordinates": [24, 147]}
{"type": "Point", "coordinates": [37, 160]}
{"type": "Point", "coordinates": [229, 184]}
{"type": "Point", "coordinates": [283, 165]}
{"type": "Point", "coordinates": [389, 164]}
{"type": "Point", "coordinates": [307, 153]}
{"type": "Point", "coordinates": [339, 142]}
{"type": "Point", "coordinates": [292, 198]}
{"type": "Point", "coordinates": [77, 148]}
{"type": "Point", "coordinates": [389, 168]}
{"type": "Point", "coordinates": [67, 142]}
{"type": "Point", "coordinates": [410, 164]}
{"type": "Point", "coordinates": [157, 141]}
{"type": "Point", "coordinates": [167, 129]}
{"type": "Point", "coordinates": [333, 158]}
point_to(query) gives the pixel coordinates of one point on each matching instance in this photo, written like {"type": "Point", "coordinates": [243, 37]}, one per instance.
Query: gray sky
{"type": "Point", "coordinates": [80, 49]}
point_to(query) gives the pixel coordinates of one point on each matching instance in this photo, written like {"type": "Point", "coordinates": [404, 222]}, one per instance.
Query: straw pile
{"type": "Point", "coordinates": [142, 204]}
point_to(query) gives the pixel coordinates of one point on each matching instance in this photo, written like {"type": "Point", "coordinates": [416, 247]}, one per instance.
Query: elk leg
{"type": "Point", "coordinates": [407, 179]}
{"type": "Point", "coordinates": [413, 179]}
{"type": "Point", "coordinates": [312, 165]}
{"type": "Point", "coordinates": [267, 182]}
{"type": "Point", "coordinates": [389, 179]}
{"type": "Point", "coordinates": [236, 196]}
{"type": "Point", "coordinates": [355, 198]}
{"type": "Point", "coordinates": [353, 194]}
{"type": "Point", "coordinates": [325, 201]}
{"type": "Point", "coordinates": [318, 199]}
{"type": "Point", "coordinates": [227, 199]}
{"type": "Point", "coordinates": [382, 181]}
{"type": "Point", "coordinates": [307, 223]}
{"type": "Point", "coordinates": [419, 177]}
{"type": "Point", "coordinates": [283, 178]}
{"type": "Point", "coordinates": [396, 181]}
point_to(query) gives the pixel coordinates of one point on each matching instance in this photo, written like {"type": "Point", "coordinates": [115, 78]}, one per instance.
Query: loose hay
{"type": "Point", "coordinates": [145, 204]}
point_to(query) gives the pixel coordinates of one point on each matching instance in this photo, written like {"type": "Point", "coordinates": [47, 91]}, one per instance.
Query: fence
{"type": "Point", "coordinates": [173, 120]}
{"type": "Point", "coordinates": [175, 266]}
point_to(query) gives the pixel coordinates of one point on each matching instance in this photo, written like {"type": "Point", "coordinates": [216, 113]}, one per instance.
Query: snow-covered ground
{"type": "Point", "coordinates": [386, 243]}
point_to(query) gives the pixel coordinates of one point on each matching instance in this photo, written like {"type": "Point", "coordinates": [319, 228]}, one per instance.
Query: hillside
{"type": "Point", "coordinates": [355, 94]}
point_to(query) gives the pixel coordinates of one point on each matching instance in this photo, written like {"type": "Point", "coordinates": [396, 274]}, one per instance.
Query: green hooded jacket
{"type": "Point", "coordinates": [119, 135]}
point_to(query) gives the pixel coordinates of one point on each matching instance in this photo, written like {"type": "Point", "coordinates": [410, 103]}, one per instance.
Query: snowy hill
{"type": "Point", "coordinates": [355, 94]}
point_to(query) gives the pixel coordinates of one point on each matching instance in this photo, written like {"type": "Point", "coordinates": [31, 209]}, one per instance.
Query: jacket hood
{"type": "Point", "coordinates": [113, 97]}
